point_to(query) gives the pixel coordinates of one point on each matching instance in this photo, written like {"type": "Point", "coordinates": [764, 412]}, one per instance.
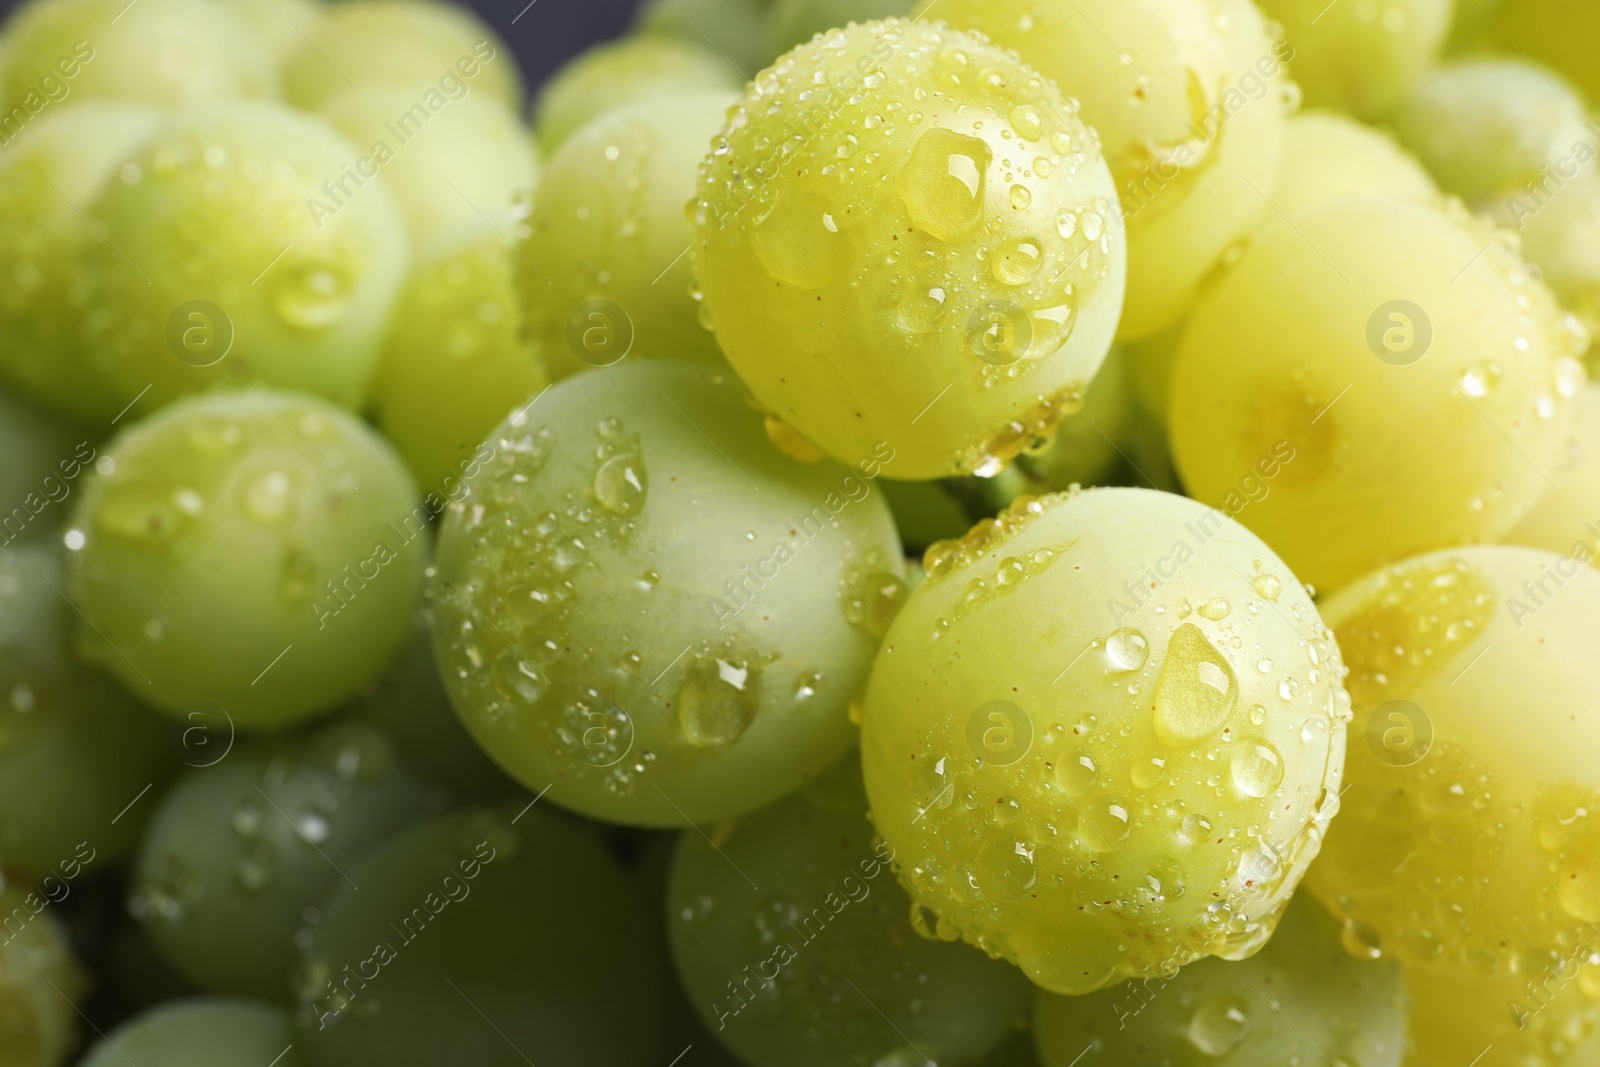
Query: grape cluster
{"type": "Point", "coordinates": [878, 533]}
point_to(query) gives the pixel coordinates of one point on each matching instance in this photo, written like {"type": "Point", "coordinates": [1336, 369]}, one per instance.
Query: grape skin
{"type": "Point", "coordinates": [1563, 516]}
{"type": "Point", "coordinates": [1544, 1017]}
{"type": "Point", "coordinates": [1349, 57]}
{"type": "Point", "coordinates": [1328, 157]}
{"type": "Point", "coordinates": [1183, 748]}
{"type": "Point", "coordinates": [201, 1032]}
{"type": "Point", "coordinates": [1561, 236]}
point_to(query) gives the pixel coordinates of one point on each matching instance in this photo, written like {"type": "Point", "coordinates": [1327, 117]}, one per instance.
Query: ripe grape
{"type": "Point", "coordinates": [623, 72]}
{"type": "Point", "coordinates": [915, 192]}
{"type": "Point", "coordinates": [1465, 845]}
{"type": "Point", "coordinates": [227, 259]}
{"type": "Point", "coordinates": [49, 177]}
{"type": "Point", "coordinates": [794, 22]}
{"type": "Point", "coordinates": [254, 550]}
{"type": "Point", "coordinates": [1333, 343]}
{"type": "Point", "coordinates": [1104, 737]}
{"type": "Point", "coordinates": [238, 850]}
{"type": "Point", "coordinates": [735, 29]}
{"type": "Point", "coordinates": [608, 232]}
{"type": "Point", "coordinates": [1302, 998]}
{"type": "Point", "coordinates": [280, 26]}
{"type": "Point", "coordinates": [39, 981]}
{"type": "Point", "coordinates": [1546, 1017]}
{"type": "Point", "coordinates": [645, 608]}
{"type": "Point", "coordinates": [476, 930]}
{"type": "Point", "coordinates": [1569, 512]}
{"type": "Point", "coordinates": [1188, 98]}
{"type": "Point", "coordinates": [433, 50]}
{"type": "Point", "coordinates": [1328, 157]}
{"type": "Point", "coordinates": [1354, 58]}
{"type": "Point", "coordinates": [201, 1032]}
{"type": "Point", "coordinates": [820, 964]}
{"type": "Point", "coordinates": [1561, 236]}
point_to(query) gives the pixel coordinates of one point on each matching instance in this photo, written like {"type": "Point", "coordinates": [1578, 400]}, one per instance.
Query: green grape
{"type": "Point", "coordinates": [201, 1032]}
{"type": "Point", "coordinates": [1352, 57]}
{"type": "Point", "coordinates": [1188, 97]}
{"type": "Point", "coordinates": [1496, 128]}
{"type": "Point", "coordinates": [1085, 448]}
{"type": "Point", "coordinates": [1299, 1000]}
{"type": "Point", "coordinates": [734, 29]}
{"type": "Point", "coordinates": [43, 460]}
{"type": "Point", "coordinates": [924, 512]}
{"type": "Point", "coordinates": [1561, 236]}
{"type": "Point", "coordinates": [238, 850]}
{"type": "Point", "coordinates": [794, 22]}
{"type": "Point", "coordinates": [254, 550]}
{"type": "Point", "coordinates": [623, 72]}
{"type": "Point", "coordinates": [1329, 157]}
{"type": "Point", "coordinates": [475, 931]}
{"type": "Point", "coordinates": [607, 240]}
{"type": "Point", "coordinates": [643, 607]}
{"type": "Point", "coordinates": [1389, 359]}
{"type": "Point", "coordinates": [1105, 737]}
{"type": "Point", "coordinates": [1560, 33]}
{"type": "Point", "coordinates": [49, 177]}
{"type": "Point", "coordinates": [165, 52]}
{"type": "Point", "coordinates": [1543, 1019]}
{"type": "Point", "coordinates": [39, 982]}
{"type": "Point", "coordinates": [915, 192]}
{"type": "Point", "coordinates": [473, 161]}
{"type": "Point", "coordinates": [231, 256]}
{"type": "Point", "coordinates": [456, 360]}
{"type": "Point", "coordinates": [1465, 846]}
{"type": "Point", "coordinates": [1569, 512]}
{"type": "Point", "coordinates": [820, 964]}
{"type": "Point", "coordinates": [281, 26]}
{"type": "Point", "coordinates": [435, 51]}
{"type": "Point", "coordinates": [75, 750]}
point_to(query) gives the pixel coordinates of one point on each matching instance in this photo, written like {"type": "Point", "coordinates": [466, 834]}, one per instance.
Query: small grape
{"type": "Point", "coordinates": [1561, 236]}
{"type": "Point", "coordinates": [1329, 157]}
{"type": "Point", "coordinates": [41, 1022]}
{"type": "Point", "coordinates": [735, 29]}
{"type": "Point", "coordinates": [1104, 737]}
{"type": "Point", "coordinates": [280, 26]}
{"type": "Point", "coordinates": [201, 1032]}
{"type": "Point", "coordinates": [915, 192]}
{"type": "Point", "coordinates": [1357, 57]}
{"type": "Point", "coordinates": [643, 606]}
{"type": "Point", "coordinates": [253, 550]}
{"type": "Point", "coordinates": [624, 72]}
{"type": "Point", "coordinates": [794, 22]}
{"type": "Point", "coordinates": [1562, 518]}
{"type": "Point", "coordinates": [1389, 359]}
{"type": "Point", "coordinates": [1545, 1017]}
{"type": "Point", "coordinates": [1465, 844]}
{"type": "Point", "coordinates": [608, 236]}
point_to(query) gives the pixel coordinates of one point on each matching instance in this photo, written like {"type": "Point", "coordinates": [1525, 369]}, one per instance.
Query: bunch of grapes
{"type": "Point", "coordinates": [877, 533]}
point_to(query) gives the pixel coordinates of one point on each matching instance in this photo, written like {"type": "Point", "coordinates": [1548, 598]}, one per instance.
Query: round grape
{"type": "Point", "coordinates": [1547, 1017]}
{"type": "Point", "coordinates": [201, 1032]}
{"type": "Point", "coordinates": [1561, 236]}
{"type": "Point", "coordinates": [735, 29]}
{"type": "Point", "coordinates": [40, 1021]}
{"type": "Point", "coordinates": [278, 25]}
{"type": "Point", "coordinates": [1561, 520]}
{"type": "Point", "coordinates": [1328, 157]}
{"type": "Point", "coordinates": [1355, 57]}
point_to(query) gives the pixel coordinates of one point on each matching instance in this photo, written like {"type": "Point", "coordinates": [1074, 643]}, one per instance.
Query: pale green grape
{"type": "Point", "coordinates": [1486, 127]}
{"type": "Point", "coordinates": [1085, 448]}
{"type": "Point", "coordinates": [201, 1032]}
{"type": "Point", "coordinates": [608, 233]}
{"type": "Point", "coordinates": [49, 177]}
{"type": "Point", "coordinates": [38, 1023]}
{"type": "Point", "coordinates": [1359, 57]}
{"type": "Point", "coordinates": [166, 52]}
{"type": "Point", "coordinates": [75, 750]}
{"type": "Point", "coordinates": [1568, 514]}
{"type": "Point", "coordinates": [1560, 233]}
{"type": "Point", "coordinates": [44, 457]}
{"type": "Point", "coordinates": [1465, 844]}
{"type": "Point", "coordinates": [1302, 998]}
{"type": "Point", "coordinates": [472, 161]}
{"type": "Point", "coordinates": [1560, 33]}
{"type": "Point", "coordinates": [1389, 359]}
{"type": "Point", "coordinates": [255, 550]}
{"type": "Point", "coordinates": [1547, 1017]}
{"type": "Point", "coordinates": [622, 72]}
{"type": "Point", "coordinates": [820, 964]}
{"type": "Point", "coordinates": [644, 607]}
{"type": "Point", "coordinates": [483, 938]}
{"type": "Point", "coordinates": [1329, 157]}
{"type": "Point", "coordinates": [1117, 696]}
{"type": "Point", "coordinates": [281, 26]}
{"type": "Point", "coordinates": [735, 29]}
{"type": "Point", "coordinates": [435, 51]}
{"type": "Point", "coordinates": [916, 193]}
{"type": "Point", "coordinates": [1188, 97]}
{"type": "Point", "coordinates": [238, 850]}
{"type": "Point", "coordinates": [228, 260]}
{"type": "Point", "coordinates": [794, 22]}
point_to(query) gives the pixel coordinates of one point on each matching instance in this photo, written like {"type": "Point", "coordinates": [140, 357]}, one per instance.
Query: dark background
{"type": "Point", "coordinates": [552, 31]}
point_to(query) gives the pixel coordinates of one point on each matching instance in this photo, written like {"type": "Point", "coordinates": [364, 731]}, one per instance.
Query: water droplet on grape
{"type": "Point", "coordinates": [1196, 691]}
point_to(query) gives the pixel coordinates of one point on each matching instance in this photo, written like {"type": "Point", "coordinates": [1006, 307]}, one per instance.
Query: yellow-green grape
{"type": "Point", "coordinates": [1299, 1000]}
{"type": "Point", "coordinates": [281, 26]}
{"type": "Point", "coordinates": [1104, 738]}
{"type": "Point", "coordinates": [238, 850]}
{"type": "Point", "coordinates": [916, 192]}
{"type": "Point", "coordinates": [1329, 157]}
{"type": "Point", "coordinates": [645, 608]}
{"type": "Point", "coordinates": [1378, 357]}
{"type": "Point", "coordinates": [794, 22]}
{"type": "Point", "coordinates": [201, 1032]}
{"type": "Point", "coordinates": [44, 457]}
{"type": "Point", "coordinates": [1085, 449]}
{"type": "Point", "coordinates": [1560, 33]}
{"type": "Point", "coordinates": [1561, 236]}
{"type": "Point", "coordinates": [735, 29]}
{"type": "Point", "coordinates": [1465, 844]}
{"type": "Point", "coordinates": [814, 959]}
{"type": "Point", "coordinates": [924, 512]}
{"type": "Point", "coordinates": [1188, 97]}
{"type": "Point", "coordinates": [231, 256]}
{"type": "Point", "coordinates": [258, 551]}
{"type": "Point", "coordinates": [166, 52]}
{"type": "Point", "coordinates": [1568, 514]}
{"type": "Point", "coordinates": [622, 72]}
{"type": "Point", "coordinates": [456, 360]}
{"type": "Point", "coordinates": [1546, 1017]}
{"type": "Point", "coordinates": [436, 51]}
{"type": "Point", "coordinates": [486, 936]}
{"type": "Point", "coordinates": [1497, 128]}
{"type": "Point", "coordinates": [603, 267]}
{"type": "Point", "coordinates": [38, 1024]}
{"type": "Point", "coordinates": [75, 750]}
{"type": "Point", "coordinates": [49, 177]}
{"type": "Point", "coordinates": [1358, 57]}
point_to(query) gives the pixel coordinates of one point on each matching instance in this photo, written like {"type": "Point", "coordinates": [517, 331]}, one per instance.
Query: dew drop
{"type": "Point", "coordinates": [1219, 1024]}
{"type": "Point", "coordinates": [1257, 768]}
{"type": "Point", "coordinates": [943, 184]}
{"type": "Point", "coordinates": [621, 484]}
{"type": "Point", "coordinates": [1196, 691]}
{"type": "Point", "coordinates": [1126, 650]}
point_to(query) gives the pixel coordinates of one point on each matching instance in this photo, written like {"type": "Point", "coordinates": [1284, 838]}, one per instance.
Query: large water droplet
{"type": "Point", "coordinates": [1126, 650]}
{"type": "Point", "coordinates": [804, 240]}
{"type": "Point", "coordinates": [621, 484]}
{"type": "Point", "coordinates": [311, 294]}
{"type": "Point", "coordinates": [1105, 824]}
{"type": "Point", "coordinates": [1257, 767]}
{"type": "Point", "coordinates": [1005, 870]}
{"type": "Point", "coordinates": [1219, 1024]}
{"type": "Point", "coordinates": [944, 183]}
{"type": "Point", "coordinates": [716, 702]}
{"type": "Point", "coordinates": [1076, 774]}
{"type": "Point", "coordinates": [1017, 262]}
{"type": "Point", "coordinates": [268, 498]}
{"type": "Point", "coordinates": [1196, 692]}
